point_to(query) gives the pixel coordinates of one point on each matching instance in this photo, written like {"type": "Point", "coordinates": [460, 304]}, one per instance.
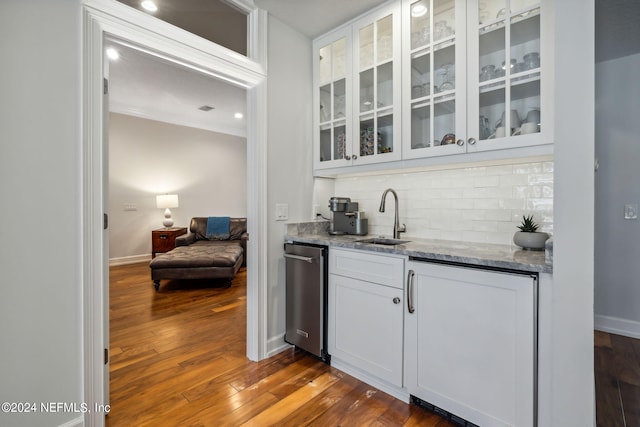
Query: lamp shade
{"type": "Point", "coordinates": [167, 201]}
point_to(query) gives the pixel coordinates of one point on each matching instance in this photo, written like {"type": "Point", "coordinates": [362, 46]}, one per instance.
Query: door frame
{"type": "Point", "coordinates": [108, 18]}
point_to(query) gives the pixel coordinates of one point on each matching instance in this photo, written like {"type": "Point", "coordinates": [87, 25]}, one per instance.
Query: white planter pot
{"type": "Point", "coordinates": [534, 241]}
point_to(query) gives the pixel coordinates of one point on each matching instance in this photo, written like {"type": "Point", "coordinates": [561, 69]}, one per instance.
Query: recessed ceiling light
{"type": "Point", "coordinates": [149, 5]}
{"type": "Point", "coordinates": [418, 10]}
{"type": "Point", "coordinates": [112, 53]}
{"type": "Point", "coordinates": [238, 115]}
{"type": "Point", "coordinates": [206, 108]}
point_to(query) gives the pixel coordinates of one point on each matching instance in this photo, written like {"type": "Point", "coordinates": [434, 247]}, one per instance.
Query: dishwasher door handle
{"type": "Point", "coordinates": [300, 258]}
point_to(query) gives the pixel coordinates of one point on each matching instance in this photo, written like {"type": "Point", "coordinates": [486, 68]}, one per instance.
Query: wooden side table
{"type": "Point", "coordinates": [164, 239]}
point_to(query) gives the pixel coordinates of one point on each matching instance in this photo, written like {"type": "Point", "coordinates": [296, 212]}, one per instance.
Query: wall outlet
{"type": "Point", "coordinates": [282, 212]}
{"type": "Point", "coordinates": [316, 211]}
{"type": "Point", "coordinates": [631, 211]}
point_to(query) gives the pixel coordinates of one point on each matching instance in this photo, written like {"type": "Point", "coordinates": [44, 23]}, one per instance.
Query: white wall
{"type": "Point", "coordinates": [289, 154]}
{"type": "Point", "coordinates": [478, 203]}
{"type": "Point", "coordinates": [206, 169]}
{"type": "Point", "coordinates": [617, 248]}
{"type": "Point", "coordinates": [567, 337]}
{"type": "Point", "coordinates": [40, 223]}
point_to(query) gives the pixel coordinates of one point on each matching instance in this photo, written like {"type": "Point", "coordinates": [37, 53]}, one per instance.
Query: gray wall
{"type": "Point", "coordinates": [40, 223]}
{"type": "Point", "coordinates": [617, 273]}
{"type": "Point", "coordinates": [289, 162]}
{"type": "Point", "coordinates": [206, 169]}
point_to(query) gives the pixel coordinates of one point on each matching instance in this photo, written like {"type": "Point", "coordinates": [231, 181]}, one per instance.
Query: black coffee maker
{"type": "Point", "coordinates": [346, 218]}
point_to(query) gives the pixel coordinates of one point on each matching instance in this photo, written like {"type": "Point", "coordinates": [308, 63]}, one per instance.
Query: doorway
{"type": "Point", "coordinates": [102, 19]}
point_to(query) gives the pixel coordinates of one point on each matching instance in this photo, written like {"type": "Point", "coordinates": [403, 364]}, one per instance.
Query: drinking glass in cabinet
{"type": "Point", "coordinates": [444, 18]}
{"type": "Point", "coordinates": [420, 24]}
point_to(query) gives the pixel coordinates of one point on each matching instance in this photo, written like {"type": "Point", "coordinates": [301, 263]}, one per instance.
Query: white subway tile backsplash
{"type": "Point", "coordinates": [476, 204]}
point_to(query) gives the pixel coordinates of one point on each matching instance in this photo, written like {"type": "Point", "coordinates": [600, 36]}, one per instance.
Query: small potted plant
{"type": "Point", "coordinates": [529, 237]}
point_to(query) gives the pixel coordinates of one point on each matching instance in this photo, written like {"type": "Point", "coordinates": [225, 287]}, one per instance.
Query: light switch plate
{"type": "Point", "coordinates": [282, 212]}
{"type": "Point", "coordinates": [631, 211]}
{"type": "Point", "coordinates": [130, 207]}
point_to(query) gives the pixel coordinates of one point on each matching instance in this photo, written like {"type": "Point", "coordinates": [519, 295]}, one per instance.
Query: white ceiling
{"type": "Point", "coordinates": [315, 17]}
{"type": "Point", "coordinates": [145, 86]}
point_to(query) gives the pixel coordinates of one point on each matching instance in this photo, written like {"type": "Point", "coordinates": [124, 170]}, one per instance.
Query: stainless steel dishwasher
{"type": "Point", "coordinates": [306, 296]}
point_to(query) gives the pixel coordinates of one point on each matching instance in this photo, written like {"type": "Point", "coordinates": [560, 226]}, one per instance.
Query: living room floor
{"type": "Point", "coordinates": [178, 358]}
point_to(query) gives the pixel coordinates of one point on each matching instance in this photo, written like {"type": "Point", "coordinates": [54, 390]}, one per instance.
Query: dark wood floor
{"type": "Point", "coordinates": [178, 359]}
{"type": "Point", "coordinates": [617, 374]}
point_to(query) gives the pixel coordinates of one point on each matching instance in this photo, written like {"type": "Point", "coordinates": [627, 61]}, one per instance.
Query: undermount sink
{"type": "Point", "coordinates": [383, 241]}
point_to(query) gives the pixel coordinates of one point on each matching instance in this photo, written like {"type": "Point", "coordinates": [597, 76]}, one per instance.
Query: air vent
{"type": "Point", "coordinates": [206, 108]}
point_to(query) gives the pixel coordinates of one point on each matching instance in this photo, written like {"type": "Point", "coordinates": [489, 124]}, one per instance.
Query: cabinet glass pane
{"type": "Point", "coordinates": [325, 144]}
{"type": "Point", "coordinates": [491, 10]}
{"type": "Point", "coordinates": [340, 140]}
{"type": "Point", "coordinates": [444, 19]}
{"type": "Point", "coordinates": [366, 47]}
{"type": "Point", "coordinates": [421, 127]}
{"type": "Point", "coordinates": [368, 138]}
{"type": "Point", "coordinates": [384, 39]}
{"type": "Point", "coordinates": [492, 55]}
{"type": "Point", "coordinates": [420, 76]}
{"type": "Point", "coordinates": [517, 5]}
{"type": "Point", "coordinates": [324, 66]}
{"type": "Point", "coordinates": [525, 79]}
{"type": "Point", "coordinates": [492, 108]}
{"type": "Point", "coordinates": [385, 134]}
{"type": "Point", "coordinates": [385, 85]}
{"type": "Point", "coordinates": [339, 93]}
{"type": "Point", "coordinates": [444, 123]}
{"type": "Point", "coordinates": [420, 24]}
{"type": "Point", "coordinates": [339, 59]}
{"type": "Point", "coordinates": [444, 67]}
{"type": "Point", "coordinates": [366, 90]}
{"type": "Point", "coordinates": [325, 103]}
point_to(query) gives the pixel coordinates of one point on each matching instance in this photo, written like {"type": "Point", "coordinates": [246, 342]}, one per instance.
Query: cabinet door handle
{"type": "Point", "coordinates": [460, 142]}
{"type": "Point", "coordinates": [354, 157]}
{"type": "Point", "coordinates": [471, 141]}
{"type": "Point", "coordinates": [347, 157]}
{"type": "Point", "coordinates": [410, 307]}
{"type": "Point", "coordinates": [396, 300]}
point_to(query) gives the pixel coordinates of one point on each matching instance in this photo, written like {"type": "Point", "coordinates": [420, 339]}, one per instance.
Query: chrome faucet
{"type": "Point", "coordinates": [396, 225]}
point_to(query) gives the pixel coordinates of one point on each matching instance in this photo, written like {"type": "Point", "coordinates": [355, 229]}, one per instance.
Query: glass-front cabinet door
{"type": "Point", "coordinates": [434, 82]}
{"type": "Point", "coordinates": [505, 108]}
{"type": "Point", "coordinates": [377, 98]}
{"type": "Point", "coordinates": [332, 100]}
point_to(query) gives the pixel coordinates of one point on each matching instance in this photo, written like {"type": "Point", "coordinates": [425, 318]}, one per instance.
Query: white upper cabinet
{"type": "Point", "coordinates": [423, 78]}
{"type": "Point", "coordinates": [434, 77]}
{"type": "Point", "coordinates": [357, 92]}
{"type": "Point", "coordinates": [377, 90]}
{"type": "Point", "coordinates": [472, 76]}
{"type": "Point", "coordinates": [332, 100]}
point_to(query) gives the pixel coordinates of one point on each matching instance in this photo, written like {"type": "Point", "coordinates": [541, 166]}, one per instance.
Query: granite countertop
{"type": "Point", "coordinates": [478, 254]}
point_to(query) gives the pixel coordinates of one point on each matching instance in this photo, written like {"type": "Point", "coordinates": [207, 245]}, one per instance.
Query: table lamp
{"type": "Point", "coordinates": [166, 201]}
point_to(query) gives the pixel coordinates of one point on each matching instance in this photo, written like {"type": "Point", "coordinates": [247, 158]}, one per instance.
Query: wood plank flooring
{"type": "Point", "coordinates": [178, 359]}
{"type": "Point", "coordinates": [617, 377]}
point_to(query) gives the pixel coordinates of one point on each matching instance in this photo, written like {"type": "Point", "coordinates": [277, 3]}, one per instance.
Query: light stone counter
{"type": "Point", "coordinates": [477, 254]}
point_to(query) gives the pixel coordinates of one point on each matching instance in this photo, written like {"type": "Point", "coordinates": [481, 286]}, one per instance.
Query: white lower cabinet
{"type": "Point", "coordinates": [470, 342]}
{"type": "Point", "coordinates": [366, 310]}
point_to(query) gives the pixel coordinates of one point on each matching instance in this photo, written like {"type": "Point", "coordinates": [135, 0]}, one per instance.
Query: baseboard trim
{"type": "Point", "coordinates": [129, 259]}
{"type": "Point", "coordinates": [277, 345]}
{"type": "Point", "coordinates": [76, 422]}
{"type": "Point", "coordinates": [618, 326]}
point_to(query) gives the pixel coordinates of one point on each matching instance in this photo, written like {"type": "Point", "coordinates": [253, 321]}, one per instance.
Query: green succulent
{"type": "Point", "coordinates": [528, 226]}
